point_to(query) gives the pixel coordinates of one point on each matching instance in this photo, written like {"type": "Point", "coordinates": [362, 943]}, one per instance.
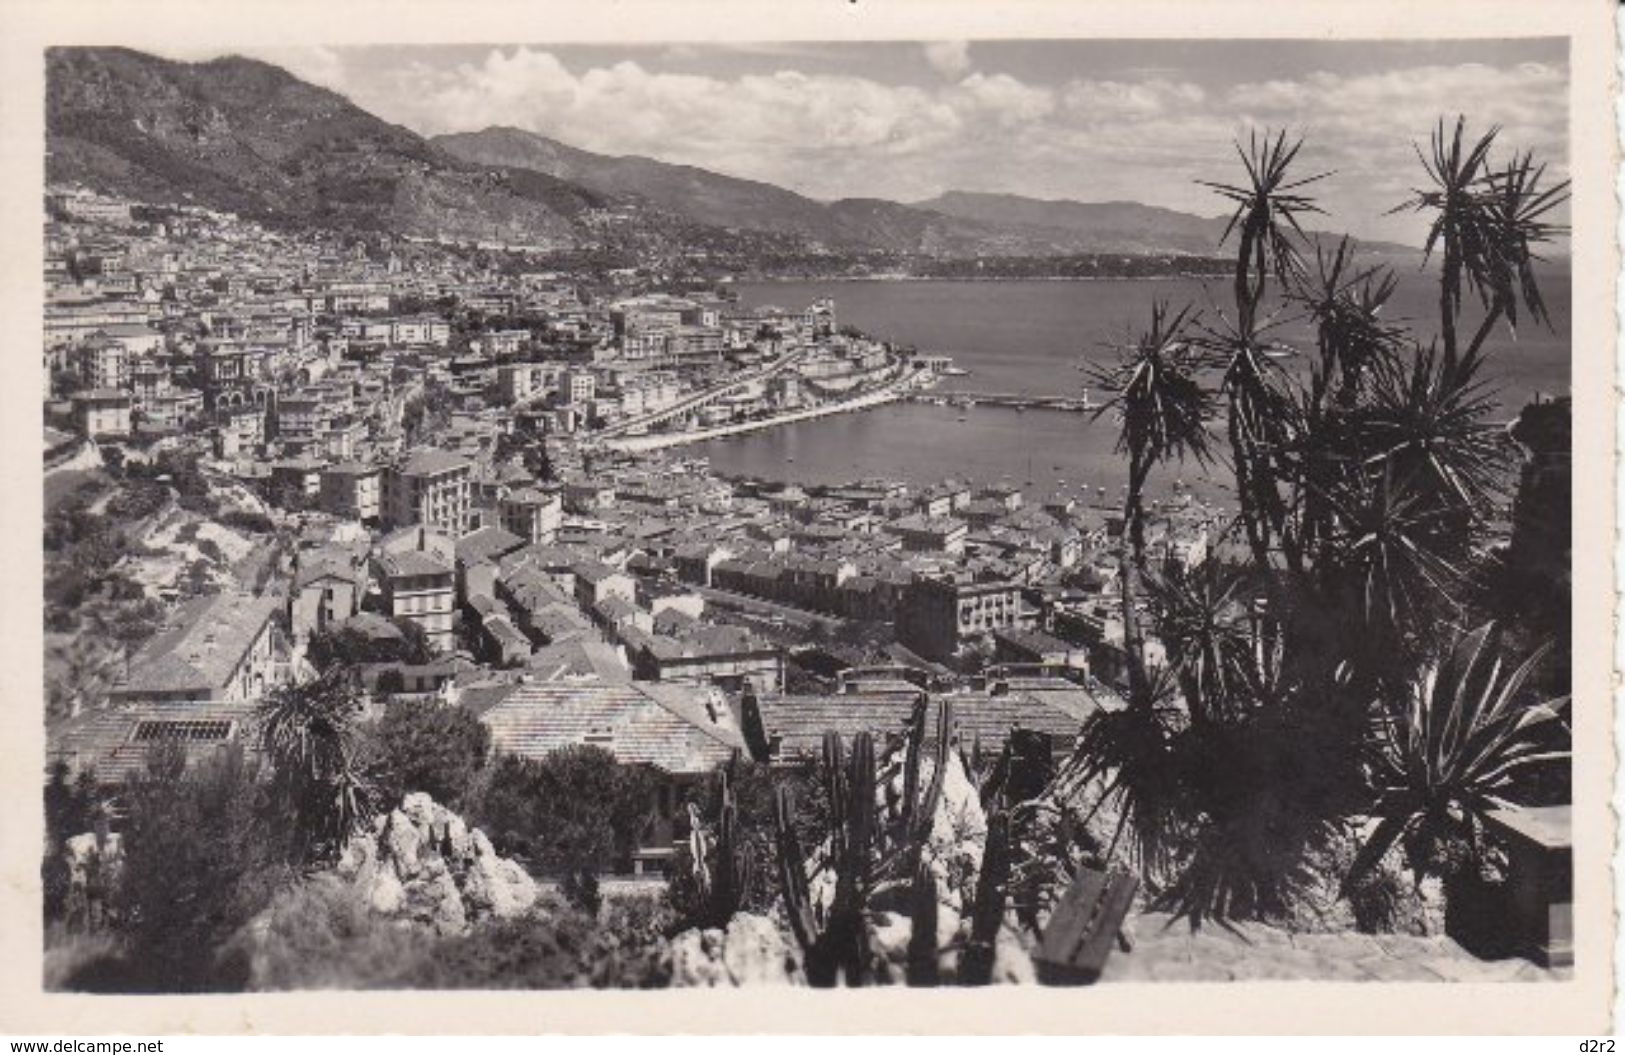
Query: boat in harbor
{"type": "Point", "coordinates": [955, 371]}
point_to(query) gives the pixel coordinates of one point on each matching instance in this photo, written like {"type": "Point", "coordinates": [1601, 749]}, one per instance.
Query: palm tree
{"type": "Point", "coordinates": [1163, 411]}
{"type": "Point", "coordinates": [1265, 221]}
{"type": "Point", "coordinates": [1486, 223]}
{"type": "Point", "coordinates": [308, 732]}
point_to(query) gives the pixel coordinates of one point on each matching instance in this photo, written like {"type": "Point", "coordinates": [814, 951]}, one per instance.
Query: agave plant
{"type": "Point", "coordinates": [1454, 750]}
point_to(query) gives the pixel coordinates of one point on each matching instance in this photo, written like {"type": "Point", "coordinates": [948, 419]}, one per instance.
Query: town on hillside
{"type": "Point", "coordinates": [269, 453]}
{"type": "Point", "coordinates": [423, 610]}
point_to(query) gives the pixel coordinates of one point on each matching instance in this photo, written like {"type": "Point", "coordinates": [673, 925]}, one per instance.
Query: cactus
{"type": "Point", "coordinates": [922, 941]}
{"type": "Point", "coordinates": [720, 866]}
{"type": "Point", "coordinates": [731, 873]}
{"type": "Point", "coordinates": [919, 813]}
{"type": "Point", "coordinates": [750, 725]}
{"type": "Point", "coordinates": [987, 914]}
{"type": "Point", "coordinates": [699, 854]}
{"type": "Point", "coordinates": [833, 943]}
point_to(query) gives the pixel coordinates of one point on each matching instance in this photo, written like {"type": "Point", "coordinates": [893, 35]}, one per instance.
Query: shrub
{"type": "Point", "coordinates": [430, 747]}
{"type": "Point", "coordinates": [203, 854]}
{"type": "Point", "coordinates": [573, 813]}
{"type": "Point", "coordinates": [320, 934]}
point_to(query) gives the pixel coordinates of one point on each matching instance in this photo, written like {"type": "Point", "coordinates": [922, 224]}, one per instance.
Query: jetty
{"type": "Point", "coordinates": [1017, 400]}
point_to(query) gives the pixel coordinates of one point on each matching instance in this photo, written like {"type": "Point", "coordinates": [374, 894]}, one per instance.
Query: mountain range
{"type": "Point", "coordinates": [247, 136]}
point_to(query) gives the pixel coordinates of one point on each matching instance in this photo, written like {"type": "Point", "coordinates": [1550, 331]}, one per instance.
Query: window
{"type": "Point", "coordinates": [185, 731]}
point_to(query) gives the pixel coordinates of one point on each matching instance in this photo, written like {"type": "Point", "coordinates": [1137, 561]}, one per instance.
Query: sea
{"type": "Point", "coordinates": [1033, 337]}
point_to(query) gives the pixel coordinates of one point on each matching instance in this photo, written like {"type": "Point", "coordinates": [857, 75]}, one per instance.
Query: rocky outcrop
{"type": "Point", "coordinates": [751, 951]}
{"type": "Point", "coordinates": [91, 863]}
{"type": "Point", "coordinates": [422, 864]}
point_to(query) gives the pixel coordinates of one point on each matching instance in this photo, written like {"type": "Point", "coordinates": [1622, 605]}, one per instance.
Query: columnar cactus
{"type": "Point", "coordinates": [720, 866]}
{"type": "Point", "coordinates": [987, 914]}
{"type": "Point", "coordinates": [922, 942]}
{"type": "Point", "coordinates": [730, 876]}
{"type": "Point", "coordinates": [919, 813]}
{"type": "Point", "coordinates": [834, 943]}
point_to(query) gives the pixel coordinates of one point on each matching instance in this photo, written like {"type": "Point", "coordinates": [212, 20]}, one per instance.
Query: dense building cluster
{"type": "Point", "coordinates": [490, 460]}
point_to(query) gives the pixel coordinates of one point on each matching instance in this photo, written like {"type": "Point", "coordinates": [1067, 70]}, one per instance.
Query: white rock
{"type": "Point", "coordinates": [757, 953]}
{"type": "Point", "coordinates": [385, 894]}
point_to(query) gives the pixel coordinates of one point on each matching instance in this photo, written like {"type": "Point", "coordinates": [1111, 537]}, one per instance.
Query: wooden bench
{"type": "Point", "coordinates": [1084, 926]}
{"type": "Point", "coordinates": [1540, 880]}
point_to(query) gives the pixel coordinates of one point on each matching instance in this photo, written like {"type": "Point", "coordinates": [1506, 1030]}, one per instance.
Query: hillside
{"type": "Point", "coordinates": [1110, 227]}
{"type": "Point", "coordinates": [717, 200]}
{"type": "Point", "coordinates": [954, 224]}
{"type": "Point", "coordinates": [249, 137]}
{"type": "Point", "coordinates": [1123, 227]}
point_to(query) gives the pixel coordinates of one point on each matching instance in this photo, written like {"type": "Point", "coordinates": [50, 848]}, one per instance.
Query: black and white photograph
{"type": "Point", "coordinates": [1054, 512]}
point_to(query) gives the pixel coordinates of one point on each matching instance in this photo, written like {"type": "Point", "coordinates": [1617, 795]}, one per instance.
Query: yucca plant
{"type": "Point", "coordinates": [1163, 410]}
{"type": "Point", "coordinates": [1265, 220]}
{"type": "Point", "coordinates": [1431, 424]}
{"type": "Point", "coordinates": [1345, 304]}
{"type": "Point", "coordinates": [1486, 223]}
{"type": "Point", "coordinates": [1202, 616]}
{"type": "Point", "coordinates": [1455, 748]}
{"type": "Point", "coordinates": [308, 733]}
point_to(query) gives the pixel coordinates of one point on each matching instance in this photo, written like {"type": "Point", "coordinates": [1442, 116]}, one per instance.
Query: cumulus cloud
{"type": "Point", "coordinates": [1147, 135]}
{"type": "Point", "coordinates": [951, 58]}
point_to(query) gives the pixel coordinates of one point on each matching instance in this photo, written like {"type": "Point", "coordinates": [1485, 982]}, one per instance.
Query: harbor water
{"type": "Point", "coordinates": [1031, 337]}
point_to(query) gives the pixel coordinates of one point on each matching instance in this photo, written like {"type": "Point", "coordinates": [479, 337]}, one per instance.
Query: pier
{"type": "Point", "coordinates": [1017, 400]}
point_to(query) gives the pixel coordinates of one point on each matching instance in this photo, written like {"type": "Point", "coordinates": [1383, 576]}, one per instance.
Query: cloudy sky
{"type": "Point", "coordinates": [1087, 120]}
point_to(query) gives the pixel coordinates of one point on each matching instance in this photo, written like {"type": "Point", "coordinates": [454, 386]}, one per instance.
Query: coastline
{"type": "Point", "coordinates": [661, 441]}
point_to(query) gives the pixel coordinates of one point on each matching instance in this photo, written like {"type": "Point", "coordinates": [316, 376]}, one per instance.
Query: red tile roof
{"type": "Point", "coordinates": [668, 727]}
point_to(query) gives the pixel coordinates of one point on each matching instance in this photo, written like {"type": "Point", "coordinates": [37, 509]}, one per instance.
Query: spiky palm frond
{"type": "Point", "coordinates": [1268, 206]}
{"type": "Point", "coordinates": [308, 733]}
{"type": "Point", "coordinates": [1203, 617]}
{"type": "Point", "coordinates": [1455, 749]}
{"type": "Point", "coordinates": [1486, 223]}
{"type": "Point", "coordinates": [1389, 550]}
{"type": "Point", "coordinates": [1268, 804]}
{"type": "Point", "coordinates": [1518, 208]}
{"type": "Point", "coordinates": [1153, 388]}
{"type": "Point", "coordinates": [1431, 424]}
{"type": "Point", "coordinates": [1126, 754]}
{"type": "Point", "coordinates": [1345, 305]}
{"type": "Point", "coordinates": [1462, 228]}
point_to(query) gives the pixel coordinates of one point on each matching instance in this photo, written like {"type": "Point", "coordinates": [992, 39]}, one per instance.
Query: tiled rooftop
{"type": "Point", "coordinates": [666, 726]}
{"type": "Point", "coordinates": [203, 644]}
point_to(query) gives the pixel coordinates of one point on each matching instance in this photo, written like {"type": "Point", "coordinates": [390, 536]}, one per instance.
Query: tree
{"type": "Point", "coordinates": [576, 812]}
{"type": "Point", "coordinates": [1365, 483]}
{"type": "Point", "coordinates": [348, 647]}
{"type": "Point", "coordinates": [308, 732]}
{"type": "Point", "coordinates": [1162, 410]}
{"type": "Point", "coordinates": [203, 853]}
{"type": "Point", "coordinates": [423, 745]}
